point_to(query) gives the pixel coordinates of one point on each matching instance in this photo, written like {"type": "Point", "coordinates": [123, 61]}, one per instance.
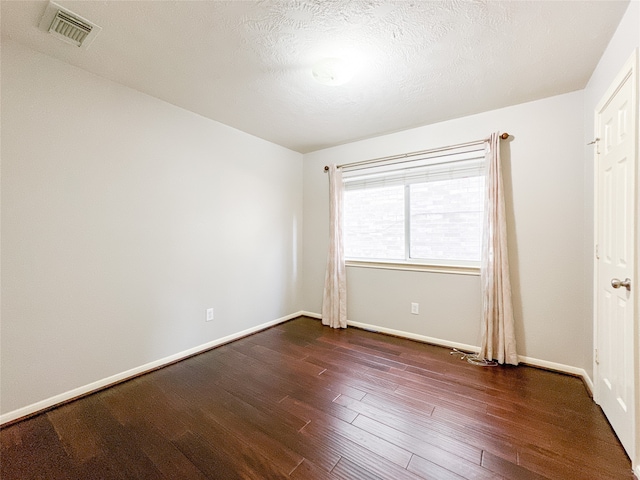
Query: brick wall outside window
{"type": "Point", "coordinates": [446, 220]}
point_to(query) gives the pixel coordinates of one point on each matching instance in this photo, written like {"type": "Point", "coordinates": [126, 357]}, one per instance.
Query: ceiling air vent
{"type": "Point", "coordinates": [67, 26]}
{"type": "Point", "coordinates": [70, 28]}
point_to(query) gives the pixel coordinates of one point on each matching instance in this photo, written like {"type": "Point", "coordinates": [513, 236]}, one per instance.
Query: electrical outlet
{"type": "Point", "coordinates": [209, 314]}
{"type": "Point", "coordinates": [415, 308]}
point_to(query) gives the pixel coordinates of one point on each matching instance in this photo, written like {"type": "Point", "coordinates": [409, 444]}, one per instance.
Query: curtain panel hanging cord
{"type": "Point", "coordinates": [504, 136]}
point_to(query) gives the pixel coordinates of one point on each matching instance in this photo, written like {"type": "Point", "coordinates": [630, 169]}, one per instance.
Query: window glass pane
{"type": "Point", "coordinates": [446, 219]}
{"type": "Point", "coordinates": [374, 223]}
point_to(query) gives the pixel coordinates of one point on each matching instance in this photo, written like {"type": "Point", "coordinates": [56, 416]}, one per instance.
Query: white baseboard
{"type": "Point", "coordinates": [415, 336]}
{"type": "Point", "coordinates": [119, 377]}
{"type": "Point", "coordinates": [558, 367]}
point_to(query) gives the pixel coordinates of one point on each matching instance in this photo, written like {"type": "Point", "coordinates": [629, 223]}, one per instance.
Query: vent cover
{"type": "Point", "coordinates": [67, 26]}
{"type": "Point", "coordinates": [70, 28]}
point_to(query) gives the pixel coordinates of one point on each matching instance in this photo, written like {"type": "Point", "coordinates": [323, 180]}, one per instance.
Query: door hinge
{"type": "Point", "coordinates": [597, 251]}
{"type": "Point", "coordinates": [597, 358]}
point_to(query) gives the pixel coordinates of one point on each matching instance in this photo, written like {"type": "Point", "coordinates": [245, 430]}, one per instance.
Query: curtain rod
{"type": "Point", "coordinates": [504, 136]}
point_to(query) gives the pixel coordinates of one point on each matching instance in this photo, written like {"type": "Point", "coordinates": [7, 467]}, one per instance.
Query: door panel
{"type": "Point", "coordinates": [615, 236]}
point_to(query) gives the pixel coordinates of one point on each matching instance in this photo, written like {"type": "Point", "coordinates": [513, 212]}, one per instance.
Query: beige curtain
{"type": "Point", "coordinates": [334, 301]}
{"type": "Point", "coordinates": [498, 335]}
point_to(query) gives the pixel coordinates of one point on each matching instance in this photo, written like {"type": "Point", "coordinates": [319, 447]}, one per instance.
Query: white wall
{"type": "Point", "coordinates": [622, 45]}
{"type": "Point", "coordinates": [123, 219]}
{"type": "Point", "coordinates": [543, 165]}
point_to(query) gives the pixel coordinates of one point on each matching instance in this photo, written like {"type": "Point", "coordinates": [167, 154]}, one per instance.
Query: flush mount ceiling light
{"type": "Point", "coordinates": [332, 71]}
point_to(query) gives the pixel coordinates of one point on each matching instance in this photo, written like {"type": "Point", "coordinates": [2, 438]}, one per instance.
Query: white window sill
{"type": "Point", "coordinates": [415, 267]}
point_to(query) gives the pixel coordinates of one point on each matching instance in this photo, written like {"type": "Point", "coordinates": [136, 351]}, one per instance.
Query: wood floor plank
{"type": "Point", "coordinates": [269, 408]}
{"type": "Point", "coordinates": [373, 357]}
{"type": "Point", "coordinates": [300, 400]}
{"type": "Point", "coordinates": [271, 357]}
{"type": "Point", "coordinates": [440, 397]}
{"type": "Point", "coordinates": [391, 415]}
{"type": "Point", "coordinates": [146, 399]}
{"type": "Point", "coordinates": [343, 385]}
{"type": "Point", "coordinates": [355, 453]}
{"type": "Point", "coordinates": [307, 470]}
{"type": "Point", "coordinates": [508, 469]}
{"type": "Point", "coordinates": [433, 471]}
{"type": "Point", "coordinates": [216, 458]}
{"type": "Point", "coordinates": [348, 434]}
{"type": "Point", "coordinates": [339, 357]}
{"type": "Point", "coordinates": [80, 442]}
{"type": "Point", "coordinates": [346, 469]}
{"type": "Point", "coordinates": [560, 465]}
{"type": "Point", "coordinates": [590, 427]}
{"type": "Point", "coordinates": [120, 443]}
{"type": "Point", "coordinates": [453, 437]}
{"type": "Point", "coordinates": [314, 448]}
{"type": "Point", "coordinates": [20, 444]}
{"type": "Point", "coordinates": [249, 432]}
{"type": "Point", "coordinates": [299, 373]}
{"type": "Point", "coordinates": [166, 457]}
{"type": "Point", "coordinates": [371, 467]}
{"type": "Point", "coordinates": [372, 343]}
{"type": "Point", "coordinates": [356, 378]}
{"type": "Point", "coordinates": [231, 447]}
{"type": "Point", "coordinates": [351, 440]}
{"type": "Point", "coordinates": [479, 422]}
{"type": "Point", "coordinates": [321, 401]}
{"type": "Point", "coordinates": [277, 342]}
{"type": "Point", "coordinates": [426, 450]}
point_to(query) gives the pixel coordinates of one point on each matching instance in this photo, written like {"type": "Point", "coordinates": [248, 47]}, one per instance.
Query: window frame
{"type": "Point", "coordinates": [464, 267]}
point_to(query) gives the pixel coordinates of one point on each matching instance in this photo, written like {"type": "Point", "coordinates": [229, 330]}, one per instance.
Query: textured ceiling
{"type": "Point", "coordinates": [248, 64]}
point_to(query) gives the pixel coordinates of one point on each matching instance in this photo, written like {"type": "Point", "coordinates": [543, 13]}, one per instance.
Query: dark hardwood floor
{"type": "Point", "coordinates": [303, 401]}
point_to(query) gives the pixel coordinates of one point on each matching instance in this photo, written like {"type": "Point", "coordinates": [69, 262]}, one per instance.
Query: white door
{"type": "Point", "coordinates": [615, 284]}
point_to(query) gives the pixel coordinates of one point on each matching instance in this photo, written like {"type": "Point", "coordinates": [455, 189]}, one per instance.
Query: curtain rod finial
{"type": "Point", "coordinates": [504, 136]}
{"type": "Point", "coordinates": [326, 168]}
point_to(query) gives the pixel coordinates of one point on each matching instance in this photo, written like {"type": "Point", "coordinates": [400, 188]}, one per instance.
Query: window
{"type": "Point", "coordinates": [428, 212]}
